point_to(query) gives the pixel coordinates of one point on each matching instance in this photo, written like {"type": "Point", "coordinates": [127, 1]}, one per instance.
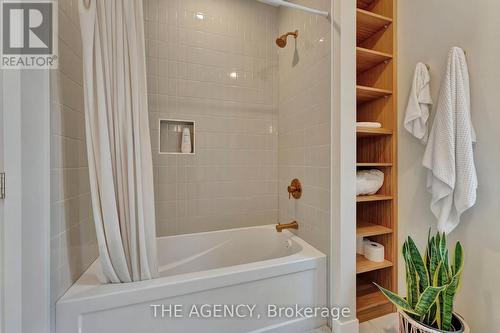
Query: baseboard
{"type": "Point", "coordinates": [300, 325]}
{"type": "Point", "coordinates": [351, 326]}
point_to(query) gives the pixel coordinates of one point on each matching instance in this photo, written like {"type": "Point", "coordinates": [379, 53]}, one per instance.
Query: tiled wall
{"type": "Point", "coordinates": [73, 241]}
{"type": "Point", "coordinates": [304, 122]}
{"type": "Point", "coordinates": [214, 62]}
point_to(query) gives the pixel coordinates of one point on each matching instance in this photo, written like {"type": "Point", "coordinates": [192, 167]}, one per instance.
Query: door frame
{"type": "Point", "coordinates": [1, 205]}
{"type": "Point", "coordinates": [25, 256]}
{"type": "Point", "coordinates": [343, 164]}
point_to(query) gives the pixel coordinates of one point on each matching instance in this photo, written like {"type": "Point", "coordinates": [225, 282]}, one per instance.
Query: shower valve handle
{"type": "Point", "coordinates": [295, 189]}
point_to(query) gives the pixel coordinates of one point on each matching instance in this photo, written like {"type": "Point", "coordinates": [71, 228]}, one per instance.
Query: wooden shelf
{"type": "Point", "coordinates": [368, 24]}
{"type": "Point", "coordinates": [371, 198]}
{"type": "Point", "coordinates": [364, 265]}
{"type": "Point", "coordinates": [367, 94]}
{"type": "Point", "coordinates": [362, 132]}
{"type": "Point", "coordinates": [367, 59]}
{"type": "Point", "coordinates": [366, 229]}
{"type": "Point", "coordinates": [373, 165]}
{"type": "Point", "coordinates": [370, 302]}
{"type": "Point", "coordinates": [365, 4]}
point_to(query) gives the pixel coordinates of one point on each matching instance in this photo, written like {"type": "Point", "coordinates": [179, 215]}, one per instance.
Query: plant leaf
{"type": "Point", "coordinates": [435, 278]}
{"type": "Point", "coordinates": [442, 245]}
{"type": "Point", "coordinates": [436, 283]}
{"type": "Point", "coordinates": [449, 270]}
{"type": "Point", "coordinates": [427, 255]}
{"type": "Point", "coordinates": [427, 299]}
{"type": "Point", "coordinates": [398, 301]}
{"type": "Point", "coordinates": [418, 263]}
{"type": "Point", "coordinates": [445, 278]}
{"type": "Point", "coordinates": [434, 260]}
{"type": "Point", "coordinates": [430, 318]}
{"type": "Point", "coordinates": [448, 300]}
{"type": "Point", "coordinates": [438, 315]}
{"type": "Point", "coordinates": [458, 260]}
{"type": "Point", "coordinates": [412, 281]}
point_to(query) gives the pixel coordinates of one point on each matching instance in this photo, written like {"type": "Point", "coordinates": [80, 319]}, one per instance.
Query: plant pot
{"type": "Point", "coordinates": [410, 325]}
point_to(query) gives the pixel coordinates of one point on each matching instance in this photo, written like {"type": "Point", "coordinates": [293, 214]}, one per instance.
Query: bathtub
{"type": "Point", "coordinates": [213, 282]}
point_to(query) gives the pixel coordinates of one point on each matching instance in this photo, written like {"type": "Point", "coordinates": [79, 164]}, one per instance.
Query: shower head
{"type": "Point", "coordinates": [282, 40]}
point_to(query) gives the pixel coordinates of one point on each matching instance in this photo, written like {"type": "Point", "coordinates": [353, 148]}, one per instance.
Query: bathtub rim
{"type": "Point", "coordinates": [88, 292]}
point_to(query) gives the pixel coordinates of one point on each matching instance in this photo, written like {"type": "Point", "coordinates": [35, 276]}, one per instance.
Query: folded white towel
{"type": "Point", "coordinates": [368, 182]}
{"type": "Point", "coordinates": [449, 156]}
{"type": "Point", "coordinates": [368, 124]}
{"type": "Point", "coordinates": [419, 104]}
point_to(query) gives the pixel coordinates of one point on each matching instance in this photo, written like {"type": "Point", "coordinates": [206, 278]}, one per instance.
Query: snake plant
{"type": "Point", "coordinates": [432, 282]}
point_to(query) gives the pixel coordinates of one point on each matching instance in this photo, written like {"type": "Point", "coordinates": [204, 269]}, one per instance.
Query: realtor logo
{"type": "Point", "coordinates": [28, 34]}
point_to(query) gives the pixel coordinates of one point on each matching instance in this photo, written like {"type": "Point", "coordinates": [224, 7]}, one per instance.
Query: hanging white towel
{"type": "Point", "coordinates": [452, 177]}
{"type": "Point", "coordinates": [419, 104]}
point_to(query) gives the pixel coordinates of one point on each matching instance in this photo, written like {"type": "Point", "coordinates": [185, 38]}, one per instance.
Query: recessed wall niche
{"type": "Point", "coordinates": [171, 133]}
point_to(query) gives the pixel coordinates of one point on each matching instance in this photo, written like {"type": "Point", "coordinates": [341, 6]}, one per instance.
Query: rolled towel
{"type": "Point", "coordinates": [368, 182]}
{"type": "Point", "coordinates": [360, 245]}
{"type": "Point", "coordinates": [368, 124]}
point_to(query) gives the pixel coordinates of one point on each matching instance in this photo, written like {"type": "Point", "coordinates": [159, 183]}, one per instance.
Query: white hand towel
{"type": "Point", "coordinates": [452, 177]}
{"type": "Point", "coordinates": [419, 104]}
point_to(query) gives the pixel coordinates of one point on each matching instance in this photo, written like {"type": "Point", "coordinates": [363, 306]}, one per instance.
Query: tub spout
{"type": "Point", "coordinates": [293, 225]}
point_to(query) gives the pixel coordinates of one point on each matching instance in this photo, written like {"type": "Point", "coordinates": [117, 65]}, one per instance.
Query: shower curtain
{"type": "Point", "coordinates": [117, 136]}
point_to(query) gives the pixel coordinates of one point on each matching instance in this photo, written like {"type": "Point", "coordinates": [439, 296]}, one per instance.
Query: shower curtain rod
{"type": "Point", "coordinates": [284, 3]}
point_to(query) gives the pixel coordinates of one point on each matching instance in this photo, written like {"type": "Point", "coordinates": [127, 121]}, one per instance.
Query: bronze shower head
{"type": "Point", "coordinates": [281, 41]}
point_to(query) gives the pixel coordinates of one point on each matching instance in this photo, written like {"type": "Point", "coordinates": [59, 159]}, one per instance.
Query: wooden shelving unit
{"type": "Point", "coordinates": [370, 301]}
{"type": "Point", "coordinates": [367, 229]}
{"type": "Point", "coordinates": [367, 94]}
{"type": "Point", "coordinates": [364, 265]}
{"type": "Point", "coordinates": [373, 165]}
{"type": "Point", "coordinates": [366, 4]}
{"type": "Point", "coordinates": [367, 59]}
{"type": "Point", "coordinates": [376, 94]}
{"type": "Point", "coordinates": [371, 198]}
{"type": "Point", "coordinates": [370, 24]}
{"type": "Point", "coordinates": [367, 132]}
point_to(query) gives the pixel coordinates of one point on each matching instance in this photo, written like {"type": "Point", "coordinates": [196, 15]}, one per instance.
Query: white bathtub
{"type": "Point", "coordinates": [249, 266]}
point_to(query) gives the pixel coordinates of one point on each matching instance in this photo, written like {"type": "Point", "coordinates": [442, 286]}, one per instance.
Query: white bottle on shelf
{"type": "Point", "coordinates": [186, 141]}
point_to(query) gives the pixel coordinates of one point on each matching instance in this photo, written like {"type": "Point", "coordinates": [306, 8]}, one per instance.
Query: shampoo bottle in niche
{"type": "Point", "coordinates": [186, 141]}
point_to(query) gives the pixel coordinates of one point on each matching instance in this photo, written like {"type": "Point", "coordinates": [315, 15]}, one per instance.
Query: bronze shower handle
{"type": "Point", "coordinates": [295, 189]}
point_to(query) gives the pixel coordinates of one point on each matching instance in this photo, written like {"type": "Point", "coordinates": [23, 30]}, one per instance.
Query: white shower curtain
{"type": "Point", "coordinates": [118, 141]}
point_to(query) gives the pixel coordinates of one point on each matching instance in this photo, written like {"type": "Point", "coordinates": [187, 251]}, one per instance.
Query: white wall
{"type": "Point", "coordinates": [427, 29]}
